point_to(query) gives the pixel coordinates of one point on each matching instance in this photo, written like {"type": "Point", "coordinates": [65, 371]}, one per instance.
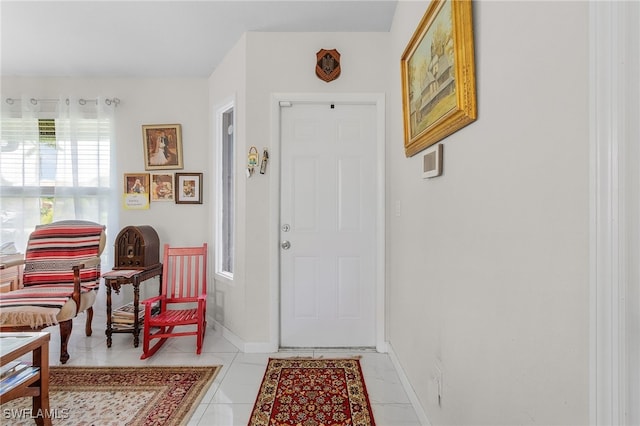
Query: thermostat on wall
{"type": "Point", "coordinates": [432, 162]}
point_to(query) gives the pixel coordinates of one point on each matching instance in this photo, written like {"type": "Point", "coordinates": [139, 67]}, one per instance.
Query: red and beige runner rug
{"type": "Point", "coordinates": [312, 392]}
{"type": "Point", "coordinates": [118, 396]}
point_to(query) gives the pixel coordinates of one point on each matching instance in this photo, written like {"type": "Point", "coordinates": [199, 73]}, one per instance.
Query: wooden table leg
{"type": "Point", "coordinates": [40, 405]}
{"type": "Point", "coordinates": [108, 331]}
{"type": "Point", "coordinates": [136, 307]}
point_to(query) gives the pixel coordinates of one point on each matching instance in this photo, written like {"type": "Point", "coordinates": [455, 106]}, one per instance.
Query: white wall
{"type": "Point", "coordinates": [227, 83]}
{"type": "Point", "coordinates": [488, 264]}
{"type": "Point", "coordinates": [145, 101]}
{"type": "Point", "coordinates": [277, 63]}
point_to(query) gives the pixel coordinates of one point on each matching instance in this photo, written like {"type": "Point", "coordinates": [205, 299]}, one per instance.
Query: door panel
{"type": "Point", "coordinates": [328, 201]}
{"type": "Point", "coordinates": [305, 194]}
{"type": "Point", "coordinates": [349, 203]}
{"type": "Point", "coordinates": [305, 283]}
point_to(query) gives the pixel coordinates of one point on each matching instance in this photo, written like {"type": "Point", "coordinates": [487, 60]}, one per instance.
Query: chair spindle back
{"type": "Point", "coordinates": [184, 272]}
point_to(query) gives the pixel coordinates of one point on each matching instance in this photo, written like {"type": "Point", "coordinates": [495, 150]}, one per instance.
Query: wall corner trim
{"type": "Point", "coordinates": [404, 380]}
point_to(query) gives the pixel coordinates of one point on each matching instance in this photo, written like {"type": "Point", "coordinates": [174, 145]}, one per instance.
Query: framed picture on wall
{"type": "Point", "coordinates": [162, 144]}
{"type": "Point", "coordinates": [188, 188]}
{"type": "Point", "coordinates": [438, 75]}
{"type": "Point", "coordinates": [162, 188]}
{"type": "Point", "coordinates": [136, 191]}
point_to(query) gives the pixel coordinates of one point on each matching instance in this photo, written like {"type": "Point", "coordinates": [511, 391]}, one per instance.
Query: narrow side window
{"type": "Point", "coordinates": [225, 196]}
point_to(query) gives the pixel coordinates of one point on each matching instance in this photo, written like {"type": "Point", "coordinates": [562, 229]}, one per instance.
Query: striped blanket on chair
{"type": "Point", "coordinates": [51, 253]}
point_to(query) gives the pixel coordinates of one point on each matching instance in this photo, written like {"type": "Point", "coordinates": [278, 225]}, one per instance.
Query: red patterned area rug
{"type": "Point", "coordinates": [312, 392]}
{"type": "Point", "coordinates": [107, 396]}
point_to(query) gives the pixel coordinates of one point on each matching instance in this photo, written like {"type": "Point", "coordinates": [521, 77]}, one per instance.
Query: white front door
{"type": "Point", "coordinates": [328, 218]}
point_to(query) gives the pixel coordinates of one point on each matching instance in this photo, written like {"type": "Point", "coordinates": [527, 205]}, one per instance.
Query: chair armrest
{"type": "Point", "coordinates": [202, 302]}
{"type": "Point", "coordinates": [148, 304]}
{"type": "Point", "coordinates": [5, 264]}
{"type": "Point", "coordinates": [151, 300]}
{"type": "Point", "coordinates": [87, 263]}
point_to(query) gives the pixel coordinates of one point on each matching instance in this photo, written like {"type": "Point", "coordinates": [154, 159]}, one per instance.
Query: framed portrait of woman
{"type": "Point", "coordinates": [162, 145]}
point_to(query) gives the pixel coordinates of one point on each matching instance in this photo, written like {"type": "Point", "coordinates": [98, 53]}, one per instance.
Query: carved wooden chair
{"type": "Point", "coordinates": [60, 279]}
{"type": "Point", "coordinates": [182, 301]}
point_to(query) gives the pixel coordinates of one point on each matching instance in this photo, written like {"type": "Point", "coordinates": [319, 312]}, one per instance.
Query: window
{"type": "Point", "coordinates": [53, 168]}
{"type": "Point", "coordinates": [225, 194]}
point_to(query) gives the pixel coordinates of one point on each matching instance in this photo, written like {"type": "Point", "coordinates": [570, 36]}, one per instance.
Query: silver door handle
{"type": "Point", "coordinates": [285, 245]}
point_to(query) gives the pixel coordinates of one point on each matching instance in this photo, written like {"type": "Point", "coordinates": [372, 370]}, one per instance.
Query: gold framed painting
{"type": "Point", "coordinates": [162, 146]}
{"type": "Point", "coordinates": [438, 75]}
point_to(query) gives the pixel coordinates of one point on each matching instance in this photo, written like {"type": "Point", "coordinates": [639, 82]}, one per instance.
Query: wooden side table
{"type": "Point", "coordinates": [117, 278]}
{"type": "Point", "coordinates": [12, 347]}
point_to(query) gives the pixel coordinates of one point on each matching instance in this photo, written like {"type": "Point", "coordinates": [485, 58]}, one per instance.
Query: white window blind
{"type": "Point", "coordinates": [53, 169]}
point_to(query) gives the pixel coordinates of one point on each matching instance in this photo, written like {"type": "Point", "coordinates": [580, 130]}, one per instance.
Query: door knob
{"type": "Point", "coordinates": [285, 245]}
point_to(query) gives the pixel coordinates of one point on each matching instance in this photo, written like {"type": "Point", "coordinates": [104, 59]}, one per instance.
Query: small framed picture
{"type": "Point", "coordinates": [136, 183]}
{"type": "Point", "coordinates": [162, 188]}
{"type": "Point", "coordinates": [136, 191]}
{"type": "Point", "coordinates": [188, 188]}
{"type": "Point", "coordinates": [162, 145]}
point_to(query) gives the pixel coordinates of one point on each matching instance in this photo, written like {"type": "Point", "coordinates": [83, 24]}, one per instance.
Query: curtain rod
{"type": "Point", "coordinates": [81, 101]}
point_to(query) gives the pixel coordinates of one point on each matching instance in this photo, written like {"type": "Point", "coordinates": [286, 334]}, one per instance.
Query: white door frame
{"type": "Point", "coordinates": [378, 100]}
{"type": "Point", "coordinates": [614, 220]}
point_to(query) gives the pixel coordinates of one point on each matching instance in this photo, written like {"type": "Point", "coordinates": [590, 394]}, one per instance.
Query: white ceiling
{"type": "Point", "coordinates": [159, 38]}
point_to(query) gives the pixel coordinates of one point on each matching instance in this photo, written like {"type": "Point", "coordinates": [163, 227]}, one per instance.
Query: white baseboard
{"type": "Point", "coordinates": [246, 347]}
{"type": "Point", "coordinates": [229, 335]}
{"type": "Point", "coordinates": [382, 347]}
{"type": "Point", "coordinates": [404, 380]}
{"type": "Point", "coordinates": [259, 348]}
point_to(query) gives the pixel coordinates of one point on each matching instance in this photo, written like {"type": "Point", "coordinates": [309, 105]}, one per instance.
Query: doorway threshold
{"type": "Point", "coordinates": [341, 349]}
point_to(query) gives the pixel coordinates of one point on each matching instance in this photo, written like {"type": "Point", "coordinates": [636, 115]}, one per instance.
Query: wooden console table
{"type": "Point", "coordinates": [36, 384]}
{"type": "Point", "coordinates": [118, 277]}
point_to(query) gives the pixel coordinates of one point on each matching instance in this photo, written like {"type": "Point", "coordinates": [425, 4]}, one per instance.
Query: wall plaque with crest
{"type": "Point", "coordinates": [328, 64]}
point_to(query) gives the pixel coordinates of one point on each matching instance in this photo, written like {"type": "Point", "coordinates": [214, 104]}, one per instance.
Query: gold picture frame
{"type": "Point", "coordinates": [136, 183]}
{"type": "Point", "coordinates": [438, 75]}
{"type": "Point", "coordinates": [136, 191]}
{"type": "Point", "coordinates": [162, 187]}
{"type": "Point", "coordinates": [162, 144]}
{"type": "Point", "coordinates": [188, 188]}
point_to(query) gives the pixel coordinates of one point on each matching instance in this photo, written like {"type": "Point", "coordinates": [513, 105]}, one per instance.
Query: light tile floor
{"type": "Point", "coordinates": [230, 399]}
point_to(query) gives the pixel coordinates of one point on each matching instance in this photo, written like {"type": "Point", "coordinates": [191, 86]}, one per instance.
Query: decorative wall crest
{"type": "Point", "coordinates": [328, 64]}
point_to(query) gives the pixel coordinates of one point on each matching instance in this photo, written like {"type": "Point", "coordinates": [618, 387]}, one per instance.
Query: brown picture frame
{"type": "Point", "coordinates": [188, 188]}
{"type": "Point", "coordinates": [438, 75]}
{"type": "Point", "coordinates": [162, 146]}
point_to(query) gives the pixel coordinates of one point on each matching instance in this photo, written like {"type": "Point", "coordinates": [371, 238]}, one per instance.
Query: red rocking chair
{"type": "Point", "coordinates": [184, 282]}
